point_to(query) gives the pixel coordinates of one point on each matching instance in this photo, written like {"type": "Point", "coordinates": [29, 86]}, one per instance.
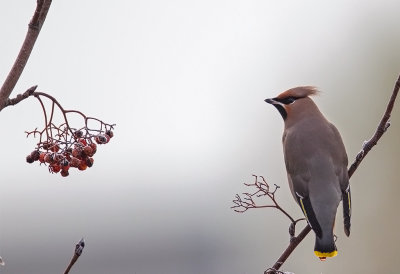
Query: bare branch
{"type": "Point", "coordinates": [246, 202]}
{"type": "Point", "coordinates": [367, 146]}
{"type": "Point", "coordinates": [382, 127]}
{"type": "Point", "coordinates": [20, 97]}
{"type": "Point", "coordinates": [292, 246]}
{"type": "Point", "coordinates": [34, 28]}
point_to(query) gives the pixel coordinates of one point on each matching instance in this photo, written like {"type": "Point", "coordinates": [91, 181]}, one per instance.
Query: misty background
{"type": "Point", "coordinates": [185, 82]}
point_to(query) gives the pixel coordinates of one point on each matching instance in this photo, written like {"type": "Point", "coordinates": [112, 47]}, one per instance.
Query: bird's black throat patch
{"type": "Point", "coordinates": [281, 110]}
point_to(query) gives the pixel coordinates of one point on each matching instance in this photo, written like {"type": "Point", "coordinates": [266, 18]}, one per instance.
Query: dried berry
{"type": "Point", "coordinates": [78, 134]}
{"type": "Point", "coordinates": [94, 148]}
{"type": "Point", "coordinates": [82, 165]}
{"type": "Point", "coordinates": [48, 158]}
{"type": "Point", "coordinates": [74, 162]}
{"type": "Point", "coordinates": [102, 139]}
{"type": "Point", "coordinates": [35, 155]}
{"type": "Point", "coordinates": [58, 157]}
{"type": "Point", "coordinates": [89, 162]}
{"type": "Point", "coordinates": [65, 168]}
{"type": "Point", "coordinates": [64, 173]}
{"type": "Point", "coordinates": [110, 133]}
{"type": "Point", "coordinates": [77, 152]}
{"type": "Point", "coordinates": [29, 159]}
{"type": "Point", "coordinates": [83, 142]}
{"type": "Point", "coordinates": [41, 157]}
{"type": "Point", "coordinates": [67, 156]}
{"type": "Point", "coordinates": [55, 168]}
{"type": "Point", "coordinates": [87, 150]}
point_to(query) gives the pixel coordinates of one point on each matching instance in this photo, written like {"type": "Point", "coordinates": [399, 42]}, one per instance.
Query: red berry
{"type": "Point", "coordinates": [87, 150]}
{"type": "Point", "coordinates": [41, 157]}
{"type": "Point", "coordinates": [35, 155]}
{"type": "Point", "coordinates": [82, 165]}
{"type": "Point", "coordinates": [83, 142]}
{"type": "Point", "coordinates": [94, 148]}
{"type": "Point", "coordinates": [58, 157]}
{"type": "Point", "coordinates": [55, 168]}
{"type": "Point", "coordinates": [74, 162]}
{"type": "Point", "coordinates": [77, 152]}
{"type": "Point", "coordinates": [89, 162]}
{"type": "Point", "coordinates": [110, 133]}
{"type": "Point", "coordinates": [64, 173]}
{"type": "Point", "coordinates": [64, 168]}
{"type": "Point", "coordinates": [48, 158]}
{"type": "Point", "coordinates": [67, 156]}
{"type": "Point", "coordinates": [29, 159]}
{"type": "Point", "coordinates": [102, 139]}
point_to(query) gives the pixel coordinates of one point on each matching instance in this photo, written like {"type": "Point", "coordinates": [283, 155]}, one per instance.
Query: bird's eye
{"type": "Point", "coordinates": [288, 100]}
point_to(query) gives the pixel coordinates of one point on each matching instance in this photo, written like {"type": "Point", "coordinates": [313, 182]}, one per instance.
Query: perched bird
{"type": "Point", "coordinates": [316, 165]}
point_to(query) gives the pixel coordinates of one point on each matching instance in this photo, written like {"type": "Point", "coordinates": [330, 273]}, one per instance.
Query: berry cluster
{"type": "Point", "coordinates": [63, 147]}
{"type": "Point", "coordinates": [61, 154]}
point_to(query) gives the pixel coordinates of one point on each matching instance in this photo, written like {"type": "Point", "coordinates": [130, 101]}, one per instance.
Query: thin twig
{"type": "Point", "coordinates": [34, 28]}
{"type": "Point", "coordinates": [367, 146]}
{"type": "Point", "coordinates": [262, 190]}
{"type": "Point", "coordinates": [77, 253]}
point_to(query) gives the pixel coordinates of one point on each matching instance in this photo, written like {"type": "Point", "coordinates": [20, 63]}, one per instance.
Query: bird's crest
{"type": "Point", "coordinates": [299, 92]}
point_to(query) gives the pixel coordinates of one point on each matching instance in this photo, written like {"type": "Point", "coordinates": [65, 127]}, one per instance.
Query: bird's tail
{"type": "Point", "coordinates": [325, 246]}
{"type": "Point", "coordinates": [346, 197]}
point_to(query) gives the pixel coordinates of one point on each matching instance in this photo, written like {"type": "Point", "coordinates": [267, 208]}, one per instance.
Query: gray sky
{"type": "Point", "coordinates": [185, 82]}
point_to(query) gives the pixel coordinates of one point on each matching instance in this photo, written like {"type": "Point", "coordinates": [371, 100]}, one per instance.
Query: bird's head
{"type": "Point", "coordinates": [293, 100]}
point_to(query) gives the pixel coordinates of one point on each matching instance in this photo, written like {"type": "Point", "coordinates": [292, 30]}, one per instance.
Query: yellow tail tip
{"type": "Point", "coordinates": [323, 255]}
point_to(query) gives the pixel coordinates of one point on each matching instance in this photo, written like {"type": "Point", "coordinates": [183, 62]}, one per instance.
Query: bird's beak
{"type": "Point", "coordinates": [278, 105]}
{"type": "Point", "coordinates": [271, 101]}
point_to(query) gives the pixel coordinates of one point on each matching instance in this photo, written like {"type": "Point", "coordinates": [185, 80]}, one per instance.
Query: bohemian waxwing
{"type": "Point", "coordinates": [316, 165]}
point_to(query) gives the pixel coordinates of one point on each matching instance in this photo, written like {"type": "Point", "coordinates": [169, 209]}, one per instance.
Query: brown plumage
{"type": "Point", "coordinates": [299, 92]}
{"type": "Point", "coordinates": [316, 164]}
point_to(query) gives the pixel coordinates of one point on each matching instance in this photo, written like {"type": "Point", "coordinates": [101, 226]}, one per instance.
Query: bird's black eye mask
{"type": "Point", "coordinates": [287, 100]}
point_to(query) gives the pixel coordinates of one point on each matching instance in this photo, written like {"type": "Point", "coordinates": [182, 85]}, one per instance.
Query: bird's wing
{"type": "Point", "coordinates": [346, 196]}
{"type": "Point", "coordinates": [340, 157]}
{"type": "Point", "coordinates": [299, 176]}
